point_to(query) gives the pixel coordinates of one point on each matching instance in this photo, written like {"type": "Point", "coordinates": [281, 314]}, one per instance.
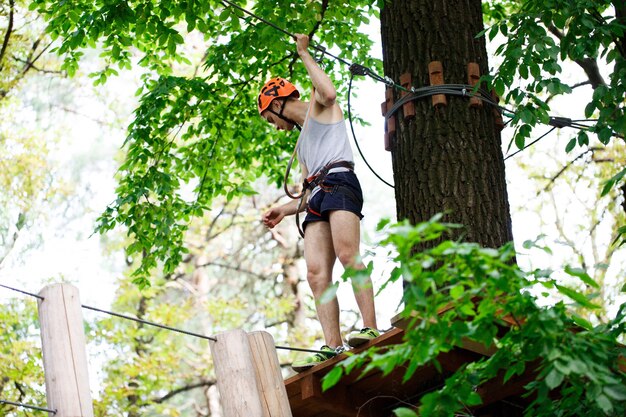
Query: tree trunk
{"type": "Point", "coordinates": [447, 159]}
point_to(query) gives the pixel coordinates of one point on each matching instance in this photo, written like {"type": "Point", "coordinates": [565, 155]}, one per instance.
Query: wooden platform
{"type": "Point", "coordinates": [376, 396]}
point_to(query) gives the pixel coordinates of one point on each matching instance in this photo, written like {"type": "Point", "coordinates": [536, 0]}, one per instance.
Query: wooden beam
{"type": "Point", "coordinates": [64, 352]}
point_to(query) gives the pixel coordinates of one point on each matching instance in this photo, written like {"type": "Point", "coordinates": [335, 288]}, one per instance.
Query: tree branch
{"type": "Point", "coordinates": [551, 96]}
{"type": "Point", "coordinates": [562, 170]}
{"type": "Point", "coordinates": [233, 268]}
{"type": "Point", "coordinates": [185, 388]}
{"type": "Point", "coordinates": [589, 65]}
{"type": "Point", "coordinates": [620, 15]}
{"type": "Point", "coordinates": [7, 36]}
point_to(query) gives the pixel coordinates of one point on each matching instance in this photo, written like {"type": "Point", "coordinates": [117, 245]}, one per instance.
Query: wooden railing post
{"type": "Point", "coordinates": [271, 383]}
{"type": "Point", "coordinates": [64, 351]}
{"type": "Point", "coordinates": [236, 375]}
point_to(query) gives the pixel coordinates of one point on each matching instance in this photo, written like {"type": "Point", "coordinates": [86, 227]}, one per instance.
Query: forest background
{"type": "Point", "coordinates": [62, 147]}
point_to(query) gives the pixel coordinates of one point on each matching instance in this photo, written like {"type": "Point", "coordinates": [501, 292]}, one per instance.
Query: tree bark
{"type": "Point", "coordinates": [447, 159]}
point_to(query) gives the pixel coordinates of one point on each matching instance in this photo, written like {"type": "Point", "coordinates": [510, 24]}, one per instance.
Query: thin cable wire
{"type": "Point", "coordinates": [149, 323]}
{"type": "Point", "coordinates": [321, 49]}
{"type": "Point", "coordinates": [138, 320]}
{"type": "Point", "coordinates": [299, 349]}
{"type": "Point", "coordinates": [354, 135]}
{"type": "Point", "coordinates": [531, 143]}
{"type": "Point", "coordinates": [267, 22]}
{"type": "Point", "coordinates": [21, 291]}
{"type": "Point", "coordinates": [32, 407]}
{"type": "Point", "coordinates": [362, 70]}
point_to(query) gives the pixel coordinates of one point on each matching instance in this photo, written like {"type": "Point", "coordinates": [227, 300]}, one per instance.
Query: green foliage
{"type": "Point", "coordinates": [460, 292]}
{"type": "Point", "coordinates": [22, 45]}
{"type": "Point", "coordinates": [200, 132]}
{"type": "Point", "coordinates": [21, 366]}
{"type": "Point", "coordinates": [540, 36]}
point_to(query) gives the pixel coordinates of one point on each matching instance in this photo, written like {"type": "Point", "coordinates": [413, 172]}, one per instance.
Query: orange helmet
{"type": "Point", "coordinates": [274, 88]}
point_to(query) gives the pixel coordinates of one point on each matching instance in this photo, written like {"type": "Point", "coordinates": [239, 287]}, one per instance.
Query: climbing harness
{"type": "Point", "coordinates": [318, 180]}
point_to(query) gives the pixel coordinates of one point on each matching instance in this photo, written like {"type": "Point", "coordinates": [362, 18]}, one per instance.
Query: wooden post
{"type": "Point", "coordinates": [64, 353]}
{"type": "Point", "coordinates": [236, 375]}
{"type": "Point", "coordinates": [271, 383]}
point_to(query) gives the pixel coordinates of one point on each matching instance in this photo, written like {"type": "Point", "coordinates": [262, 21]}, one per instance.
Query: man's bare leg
{"type": "Point", "coordinates": [346, 237]}
{"type": "Point", "coordinates": [319, 255]}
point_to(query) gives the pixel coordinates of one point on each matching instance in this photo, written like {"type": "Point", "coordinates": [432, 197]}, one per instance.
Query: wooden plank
{"type": "Point", "coordinates": [391, 337]}
{"type": "Point", "coordinates": [64, 351]}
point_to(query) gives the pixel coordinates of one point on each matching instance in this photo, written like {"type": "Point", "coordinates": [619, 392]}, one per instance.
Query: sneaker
{"type": "Point", "coordinates": [301, 365]}
{"type": "Point", "coordinates": [363, 336]}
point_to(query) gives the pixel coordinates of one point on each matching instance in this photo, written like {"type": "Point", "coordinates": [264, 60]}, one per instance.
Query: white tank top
{"type": "Point", "coordinates": [321, 144]}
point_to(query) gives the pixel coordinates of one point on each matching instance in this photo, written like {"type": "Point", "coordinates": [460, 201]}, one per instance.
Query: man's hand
{"type": "Point", "coordinates": [273, 216]}
{"type": "Point", "coordinates": [302, 44]}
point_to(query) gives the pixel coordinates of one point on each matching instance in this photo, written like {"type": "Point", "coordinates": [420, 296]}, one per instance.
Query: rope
{"type": "Point", "coordinates": [531, 143]}
{"type": "Point", "coordinates": [354, 135]}
{"type": "Point", "coordinates": [32, 407]}
{"type": "Point", "coordinates": [299, 349]}
{"type": "Point", "coordinates": [161, 326]}
{"type": "Point", "coordinates": [357, 69]}
{"type": "Point", "coordinates": [364, 70]}
{"type": "Point", "coordinates": [21, 291]}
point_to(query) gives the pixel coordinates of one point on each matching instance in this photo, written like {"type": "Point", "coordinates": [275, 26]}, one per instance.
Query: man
{"type": "Point", "coordinates": [335, 200]}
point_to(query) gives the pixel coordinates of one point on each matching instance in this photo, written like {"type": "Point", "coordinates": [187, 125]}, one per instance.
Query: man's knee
{"type": "Point", "coordinates": [348, 255]}
{"type": "Point", "coordinates": [318, 281]}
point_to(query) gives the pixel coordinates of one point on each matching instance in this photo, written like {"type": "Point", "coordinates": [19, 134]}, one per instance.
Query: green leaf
{"type": "Point", "coordinates": [582, 274]}
{"type": "Point", "coordinates": [612, 181]}
{"type": "Point", "coordinates": [554, 378]}
{"type": "Point", "coordinates": [582, 322]}
{"type": "Point", "coordinates": [576, 296]}
{"type": "Point", "coordinates": [457, 291]}
{"type": "Point", "coordinates": [473, 399]}
{"type": "Point", "coordinates": [329, 294]}
{"type": "Point", "coordinates": [404, 412]}
{"type": "Point", "coordinates": [589, 109]}
{"type": "Point", "coordinates": [604, 403]}
{"type": "Point", "coordinates": [331, 378]}
{"type": "Point", "coordinates": [616, 392]}
{"type": "Point", "coordinates": [570, 145]}
{"type": "Point", "coordinates": [520, 141]}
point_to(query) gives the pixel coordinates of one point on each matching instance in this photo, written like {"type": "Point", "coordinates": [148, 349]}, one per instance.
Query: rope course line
{"type": "Point", "coordinates": [32, 407]}
{"type": "Point", "coordinates": [161, 326]}
{"type": "Point", "coordinates": [355, 68]}
{"type": "Point", "coordinates": [299, 349]}
{"type": "Point", "coordinates": [358, 147]}
{"type": "Point", "coordinates": [531, 143]}
{"type": "Point", "coordinates": [149, 323]}
{"type": "Point", "coordinates": [21, 291]}
{"type": "Point", "coordinates": [416, 93]}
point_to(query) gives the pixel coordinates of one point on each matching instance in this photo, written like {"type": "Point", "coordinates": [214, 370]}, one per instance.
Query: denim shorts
{"type": "Point", "coordinates": [338, 191]}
